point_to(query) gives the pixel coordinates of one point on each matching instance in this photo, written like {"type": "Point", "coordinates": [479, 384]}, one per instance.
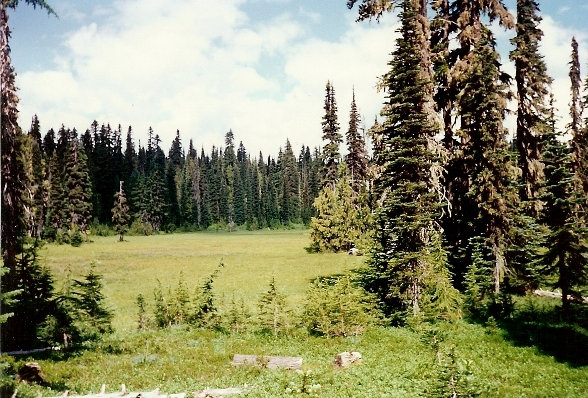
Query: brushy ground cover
{"type": "Point", "coordinates": [530, 355]}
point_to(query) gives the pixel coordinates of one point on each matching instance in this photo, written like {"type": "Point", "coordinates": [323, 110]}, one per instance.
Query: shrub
{"type": "Point", "coordinates": [140, 228]}
{"type": "Point", "coordinates": [101, 229]}
{"type": "Point", "coordinates": [76, 238]}
{"type": "Point", "coordinates": [339, 309]}
{"type": "Point", "coordinates": [238, 317]}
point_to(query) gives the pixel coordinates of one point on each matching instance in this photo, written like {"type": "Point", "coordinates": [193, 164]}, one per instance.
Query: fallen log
{"type": "Point", "coordinates": [206, 393]}
{"type": "Point", "coordinates": [545, 293]}
{"type": "Point", "coordinates": [270, 362]}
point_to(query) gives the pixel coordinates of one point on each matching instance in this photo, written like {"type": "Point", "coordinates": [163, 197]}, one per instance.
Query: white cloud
{"type": "Point", "coordinates": [201, 69]}
{"type": "Point", "coordinates": [187, 65]}
{"type": "Point", "coordinates": [556, 48]}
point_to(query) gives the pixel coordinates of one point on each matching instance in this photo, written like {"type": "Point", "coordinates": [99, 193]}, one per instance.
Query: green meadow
{"type": "Point", "coordinates": [529, 357]}
{"type": "Point", "coordinates": [250, 260]}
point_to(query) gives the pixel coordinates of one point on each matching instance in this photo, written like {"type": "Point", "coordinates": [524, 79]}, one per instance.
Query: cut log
{"type": "Point", "coordinates": [346, 359]}
{"type": "Point", "coordinates": [270, 362]}
{"type": "Point", "coordinates": [219, 392]}
{"type": "Point", "coordinates": [545, 293]}
{"type": "Point", "coordinates": [206, 393]}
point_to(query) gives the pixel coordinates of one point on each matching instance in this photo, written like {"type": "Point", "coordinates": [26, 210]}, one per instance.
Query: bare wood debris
{"type": "Point", "coordinates": [270, 362]}
{"type": "Point", "coordinates": [545, 293]}
{"type": "Point", "coordinates": [206, 393]}
{"type": "Point", "coordinates": [346, 359]}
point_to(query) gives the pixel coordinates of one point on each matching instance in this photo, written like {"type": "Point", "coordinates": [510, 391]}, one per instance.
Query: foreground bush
{"type": "Point", "coordinates": [339, 309]}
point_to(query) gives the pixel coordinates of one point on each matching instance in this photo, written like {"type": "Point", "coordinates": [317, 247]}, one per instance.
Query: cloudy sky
{"type": "Point", "coordinates": [258, 67]}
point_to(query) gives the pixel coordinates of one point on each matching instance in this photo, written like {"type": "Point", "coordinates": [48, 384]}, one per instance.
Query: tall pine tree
{"type": "Point", "coordinates": [532, 84]}
{"type": "Point", "coordinates": [408, 265]}
{"type": "Point", "coordinates": [566, 260]}
{"type": "Point", "coordinates": [357, 157]}
{"type": "Point", "coordinates": [332, 137]}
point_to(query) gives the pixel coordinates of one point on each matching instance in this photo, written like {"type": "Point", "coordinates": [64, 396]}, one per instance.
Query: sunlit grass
{"type": "Point", "coordinates": [397, 362]}
{"type": "Point", "coordinates": [251, 259]}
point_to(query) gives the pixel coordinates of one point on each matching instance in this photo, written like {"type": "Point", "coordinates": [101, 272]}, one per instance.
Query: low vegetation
{"type": "Point", "coordinates": [530, 353]}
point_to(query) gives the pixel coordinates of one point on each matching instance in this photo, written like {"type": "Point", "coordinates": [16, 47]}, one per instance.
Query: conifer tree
{"type": "Point", "coordinates": [566, 260]}
{"type": "Point", "coordinates": [332, 137]}
{"type": "Point", "coordinates": [56, 200]}
{"type": "Point", "coordinates": [120, 213]}
{"type": "Point", "coordinates": [78, 188]}
{"type": "Point", "coordinates": [23, 273]}
{"type": "Point", "coordinates": [273, 315]}
{"type": "Point", "coordinates": [31, 163]}
{"type": "Point", "coordinates": [357, 158]}
{"type": "Point", "coordinates": [289, 198]}
{"type": "Point", "coordinates": [95, 317]}
{"type": "Point", "coordinates": [49, 143]}
{"type": "Point", "coordinates": [408, 267]}
{"type": "Point", "coordinates": [579, 133]}
{"type": "Point", "coordinates": [12, 185]}
{"type": "Point", "coordinates": [337, 225]}
{"type": "Point", "coordinates": [532, 84]}
{"type": "Point", "coordinates": [489, 197]}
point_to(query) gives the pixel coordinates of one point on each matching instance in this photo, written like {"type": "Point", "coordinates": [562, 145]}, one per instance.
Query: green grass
{"type": "Point", "coordinates": [501, 361]}
{"type": "Point", "coordinates": [250, 258]}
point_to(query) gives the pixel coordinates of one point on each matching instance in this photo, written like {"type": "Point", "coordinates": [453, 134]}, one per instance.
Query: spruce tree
{"type": "Point", "coordinates": [489, 198]}
{"type": "Point", "coordinates": [332, 137]}
{"type": "Point", "coordinates": [566, 259]}
{"type": "Point", "coordinates": [578, 132]}
{"type": "Point", "coordinates": [357, 158]}
{"type": "Point", "coordinates": [289, 197]}
{"type": "Point", "coordinates": [532, 84]}
{"type": "Point", "coordinates": [13, 335]}
{"type": "Point", "coordinates": [95, 318]}
{"type": "Point", "coordinates": [407, 263]}
{"type": "Point", "coordinates": [120, 213]}
{"type": "Point", "coordinates": [338, 225]}
{"type": "Point", "coordinates": [13, 226]}
{"type": "Point", "coordinates": [78, 189]}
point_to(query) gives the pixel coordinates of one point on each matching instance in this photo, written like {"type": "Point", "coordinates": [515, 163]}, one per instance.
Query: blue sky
{"type": "Point", "coordinates": [257, 67]}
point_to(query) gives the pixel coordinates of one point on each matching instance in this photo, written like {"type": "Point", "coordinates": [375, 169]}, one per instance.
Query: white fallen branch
{"type": "Point", "coordinates": [546, 293]}
{"type": "Point", "coordinates": [206, 393]}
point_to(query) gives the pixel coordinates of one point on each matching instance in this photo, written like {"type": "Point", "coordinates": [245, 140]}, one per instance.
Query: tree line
{"type": "Point", "coordinates": [74, 180]}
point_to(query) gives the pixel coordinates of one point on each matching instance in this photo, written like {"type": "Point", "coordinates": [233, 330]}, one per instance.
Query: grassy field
{"type": "Point", "coordinates": [522, 359]}
{"type": "Point", "coordinates": [251, 259]}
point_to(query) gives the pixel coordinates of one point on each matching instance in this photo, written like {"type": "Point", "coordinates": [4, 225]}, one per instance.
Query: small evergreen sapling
{"type": "Point", "coordinates": [94, 318]}
{"type": "Point", "coordinates": [142, 321]}
{"type": "Point", "coordinates": [339, 309]}
{"type": "Point", "coordinates": [120, 213]}
{"type": "Point", "coordinates": [273, 315]}
{"type": "Point", "coordinates": [205, 312]}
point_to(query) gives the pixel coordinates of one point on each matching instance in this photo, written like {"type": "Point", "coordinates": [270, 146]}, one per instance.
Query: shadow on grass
{"type": "Point", "coordinates": [538, 323]}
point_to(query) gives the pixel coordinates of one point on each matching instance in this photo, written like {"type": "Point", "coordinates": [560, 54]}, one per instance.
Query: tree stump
{"type": "Point", "coordinates": [346, 359]}
{"type": "Point", "coordinates": [30, 372]}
